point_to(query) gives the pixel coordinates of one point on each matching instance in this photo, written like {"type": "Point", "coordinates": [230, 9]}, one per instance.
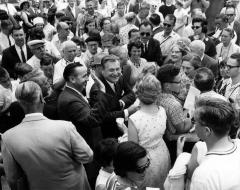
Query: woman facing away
{"type": "Point", "coordinates": [146, 127]}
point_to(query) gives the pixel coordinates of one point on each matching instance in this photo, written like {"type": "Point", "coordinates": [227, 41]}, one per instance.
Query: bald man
{"type": "Point", "coordinates": [197, 48]}
{"type": "Point", "coordinates": [69, 50]}
{"type": "Point", "coordinates": [51, 153]}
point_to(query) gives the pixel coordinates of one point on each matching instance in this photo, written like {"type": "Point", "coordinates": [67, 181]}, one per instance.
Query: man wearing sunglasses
{"type": "Point", "coordinates": [233, 88]}
{"type": "Point", "coordinates": [167, 37]}
{"type": "Point", "coordinates": [234, 24]}
{"type": "Point", "coordinates": [152, 51]}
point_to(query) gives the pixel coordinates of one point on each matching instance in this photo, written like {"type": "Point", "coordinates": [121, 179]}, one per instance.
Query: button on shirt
{"type": "Point", "coordinates": [166, 42]}
{"type": "Point", "coordinates": [18, 49]}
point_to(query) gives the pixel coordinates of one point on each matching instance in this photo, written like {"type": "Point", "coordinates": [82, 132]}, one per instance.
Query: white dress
{"type": "Point", "coordinates": [150, 128]}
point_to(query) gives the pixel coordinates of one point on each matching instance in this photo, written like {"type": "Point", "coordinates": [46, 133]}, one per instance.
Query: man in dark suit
{"type": "Point", "coordinates": [230, 12]}
{"type": "Point", "coordinates": [51, 12]}
{"type": "Point", "coordinates": [152, 51]}
{"type": "Point", "coordinates": [119, 96]}
{"type": "Point", "coordinates": [72, 12]}
{"type": "Point", "coordinates": [73, 106]}
{"type": "Point", "coordinates": [198, 48]}
{"type": "Point", "coordinates": [18, 53]}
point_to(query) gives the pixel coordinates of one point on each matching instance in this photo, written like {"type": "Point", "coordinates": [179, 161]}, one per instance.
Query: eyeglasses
{"type": "Point", "coordinates": [147, 34]}
{"type": "Point", "coordinates": [175, 82]}
{"type": "Point", "coordinates": [229, 15]}
{"type": "Point", "coordinates": [143, 168]}
{"type": "Point", "coordinates": [167, 25]}
{"type": "Point", "coordinates": [69, 23]}
{"type": "Point", "coordinates": [195, 27]}
{"type": "Point", "coordinates": [230, 66]}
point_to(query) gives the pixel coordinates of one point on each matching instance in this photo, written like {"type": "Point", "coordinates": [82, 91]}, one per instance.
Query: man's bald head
{"type": "Point", "coordinates": [197, 47]}
{"type": "Point", "coordinates": [69, 50]}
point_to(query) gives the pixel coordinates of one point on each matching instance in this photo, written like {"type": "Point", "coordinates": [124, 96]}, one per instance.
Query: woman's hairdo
{"type": "Point", "coordinates": [148, 89]}
{"type": "Point", "coordinates": [126, 157]}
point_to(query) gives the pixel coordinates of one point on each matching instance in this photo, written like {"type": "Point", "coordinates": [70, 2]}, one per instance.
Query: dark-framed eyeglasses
{"type": "Point", "coordinates": [231, 66]}
{"type": "Point", "coordinates": [145, 34]}
{"type": "Point", "coordinates": [143, 168]}
{"type": "Point", "coordinates": [229, 15]}
{"type": "Point", "coordinates": [175, 82]}
{"type": "Point", "coordinates": [195, 27]}
{"type": "Point", "coordinates": [167, 25]}
{"type": "Point", "coordinates": [69, 22]}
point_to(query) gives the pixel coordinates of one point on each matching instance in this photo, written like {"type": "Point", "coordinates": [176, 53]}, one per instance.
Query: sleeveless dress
{"type": "Point", "coordinates": [150, 129]}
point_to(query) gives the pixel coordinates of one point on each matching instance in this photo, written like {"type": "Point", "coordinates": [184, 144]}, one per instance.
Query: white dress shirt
{"type": "Point", "coordinates": [18, 49]}
{"type": "Point", "coordinates": [5, 42]}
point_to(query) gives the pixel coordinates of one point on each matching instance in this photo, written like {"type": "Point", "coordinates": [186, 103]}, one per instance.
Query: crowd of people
{"type": "Point", "coordinates": [114, 95]}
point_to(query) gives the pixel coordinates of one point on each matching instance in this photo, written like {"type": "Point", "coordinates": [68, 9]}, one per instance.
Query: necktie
{"type": "Point", "coordinates": [9, 41]}
{"type": "Point", "coordinates": [145, 48]}
{"type": "Point", "coordinates": [23, 56]}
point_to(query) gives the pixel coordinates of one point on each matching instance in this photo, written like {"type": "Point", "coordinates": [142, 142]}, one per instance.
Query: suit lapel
{"type": "Point", "coordinates": [109, 89]}
{"type": "Point", "coordinates": [69, 90]}
{"type": "Point", "coordinates": [14, 53]}
{"type": "Point", "coordinates": [70, 11]}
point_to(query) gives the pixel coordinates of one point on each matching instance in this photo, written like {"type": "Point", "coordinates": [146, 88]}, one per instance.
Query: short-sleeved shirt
{"type": "Point", "coordinates": [219, 170]}
{"type": "Point", "coordinates": [174, 111]}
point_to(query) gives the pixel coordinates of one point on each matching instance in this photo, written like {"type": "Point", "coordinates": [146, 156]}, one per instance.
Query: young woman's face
{"type": "Point", "coordinates": [91, 26]}
{"type": "Point", "coordinates": [135, 52]}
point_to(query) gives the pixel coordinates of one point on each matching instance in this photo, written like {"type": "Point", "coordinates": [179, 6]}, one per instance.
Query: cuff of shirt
{"type": "Point", "coordinates": [123, 103]}
{"type": "Point", "coordinates": [126, 114]}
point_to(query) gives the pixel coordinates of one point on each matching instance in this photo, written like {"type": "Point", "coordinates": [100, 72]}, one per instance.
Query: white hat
{"type": "Point", "coordinates": [38, 20]}
{"type": "Point", "coordinates": [35, 44]}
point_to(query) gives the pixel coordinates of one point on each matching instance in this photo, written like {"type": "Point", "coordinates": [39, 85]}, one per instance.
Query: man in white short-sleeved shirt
{"type": "Point", "coordinates": [220, 169]}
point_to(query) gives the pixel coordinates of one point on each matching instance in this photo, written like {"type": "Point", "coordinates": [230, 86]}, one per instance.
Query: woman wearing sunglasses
{"type": "Point", "coordinates": [130, 164]}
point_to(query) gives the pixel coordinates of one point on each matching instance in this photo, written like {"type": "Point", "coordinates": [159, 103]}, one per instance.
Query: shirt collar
{"type": "Point", "coordinates": [33, 114]}
{"type": "Point", "coordinates": [16, 46]}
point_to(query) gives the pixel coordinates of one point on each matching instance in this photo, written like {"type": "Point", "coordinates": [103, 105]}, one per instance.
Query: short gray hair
{"type": "Point", "coordinates": [28, 93]}
{"type": "Point", "coordinates": [197, 47]}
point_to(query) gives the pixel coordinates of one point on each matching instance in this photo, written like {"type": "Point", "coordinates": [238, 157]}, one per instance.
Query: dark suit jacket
{"type": "Point", "coordinates": [10, 58]}
{"type": "Point", "coordinates": [73, 107]}
{"type": "Point", "coordinates": [211, 64]}
{"type": "Point", "coordinates": [69, 13]}
{"type": "Point", "coordinates": [51, 14]}
{"type": "Point", "coordinates": [153, 53]}
{"type": "Point", "coordinates": [114, 110]}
